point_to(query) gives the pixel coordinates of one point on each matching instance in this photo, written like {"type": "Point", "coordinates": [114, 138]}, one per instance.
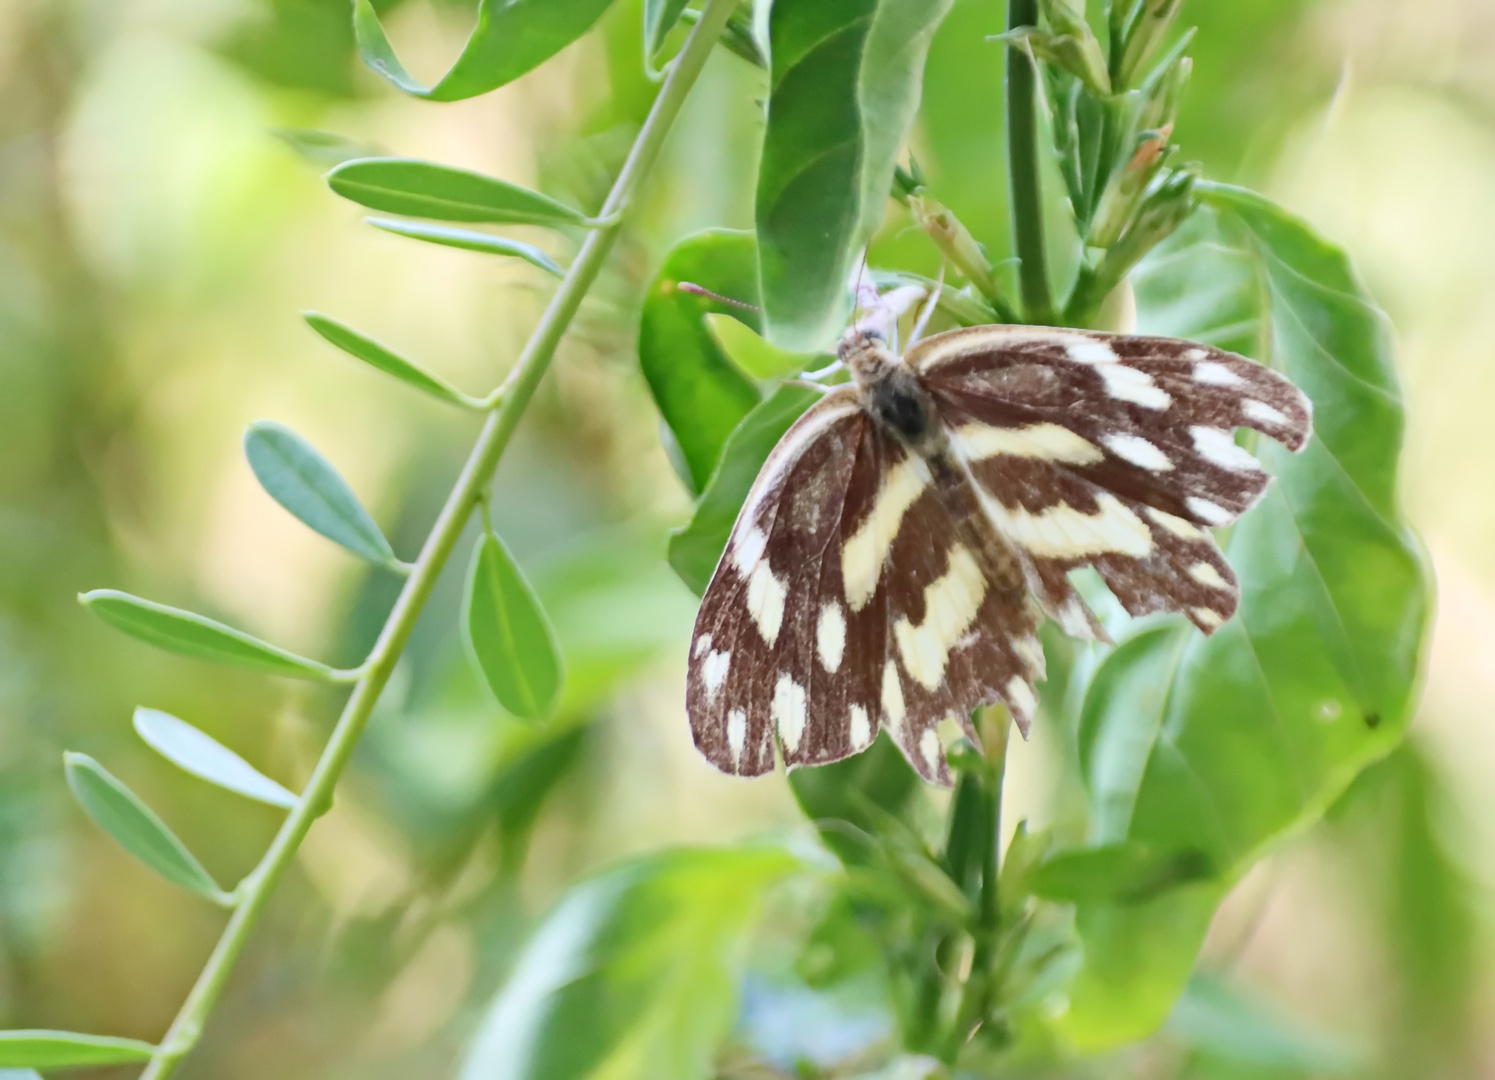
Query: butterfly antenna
{"type": "Point", "coordinates": [928, 312]}
{"type": "Point", "coordinates": [700, 290]}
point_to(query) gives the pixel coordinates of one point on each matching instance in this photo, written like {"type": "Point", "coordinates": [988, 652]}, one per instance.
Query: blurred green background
{"type": "Point", "coordinates": [157, 240]}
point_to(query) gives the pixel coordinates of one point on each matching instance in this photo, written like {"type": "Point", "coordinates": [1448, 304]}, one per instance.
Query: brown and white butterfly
{"type": "Point", "coordinates": [904, 540]}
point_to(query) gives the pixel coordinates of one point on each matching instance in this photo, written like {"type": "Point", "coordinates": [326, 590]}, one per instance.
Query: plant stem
{"type": "Point", "coordinates": [1022, 170]}
{"type": "Point", "coordinates": [518, 388]}
{"type": "Point", "coordinates": [975, 997]}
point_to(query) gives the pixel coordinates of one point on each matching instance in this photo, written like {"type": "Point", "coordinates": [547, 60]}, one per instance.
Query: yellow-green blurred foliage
{"type": "Point", "coordinates": [156, 243]}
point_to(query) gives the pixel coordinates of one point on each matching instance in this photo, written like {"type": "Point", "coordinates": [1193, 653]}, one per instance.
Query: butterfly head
{"type": "Point", "coordinates": [865, 353]}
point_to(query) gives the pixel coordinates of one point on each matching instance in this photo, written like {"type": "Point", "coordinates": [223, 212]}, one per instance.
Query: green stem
{"type": "Point", "coordinates": [476, 473]}
{"type": "Point", "coordinates": [1022, 170]}
{"type": "Point", "coordinates": [976, 995]}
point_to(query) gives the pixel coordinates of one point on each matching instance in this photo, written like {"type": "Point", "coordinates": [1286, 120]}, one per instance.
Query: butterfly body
{"type": "Point", "coordinates": [905, 539]}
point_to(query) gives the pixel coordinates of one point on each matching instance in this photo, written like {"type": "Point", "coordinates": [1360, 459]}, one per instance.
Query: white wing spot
{"type": "Point", "coordinates": [892, 698]}
{"type": "Point", "coordinates": [1212, 374]}
{"type": "Point", "coordinates": [1090, 351]}
{"type": "Point", "coordinates": [702, 644]}
{"type": "Point", "coordinates": [788, 712]}
{"type": "Point", "coordinates": [1178, 526]}
{"type": "Point", "coordinates": [748, 550]}
{"type": "Point", "coordinates": [1219, 448]}
{"type": "Point", "coordinates": [950, 606]}
{"type": "Point", "coordinates": [1020, 697]}
{"type": "Point", "coordinates": [1062, 532]}
{"type": "Point", "coordinates": [830, 636]}
{"type": "Point", "coordinates": [714, 672]}
{"type": "Point", "coordinates": [1043, 442]}
{"type": "Point", "coordinates": [1210, 618]}
{"type": "Point", "coordinates": [1262, 413]}
{"type": "Point", "coordinates": [736, 734]}
{"type": "Point", "coordinates": [861, 728]}
{"type": "Point", "coordinates": [1129, 384]}
{"type": "Point", "coordinates": [864, 554]}
{"type": "Point", "coordinates": [1211, 512]}
{"type": "Point", "coordinates": [1195, 354]}
{"type": "Point", "coordinates": [1030, 651]}
{"type": "Point", "coordinates": [929, 748]}
{"type": "Point", "coordinates": [1206, 574]}
{"type": "Point", "coordinates": [1072, 618]}
{"type": "Point", "coordinates": [1138, 451]}
{"type": "Point", "coordinates": [765, 601]}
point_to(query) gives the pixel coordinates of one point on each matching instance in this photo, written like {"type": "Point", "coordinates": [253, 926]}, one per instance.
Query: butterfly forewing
{"type": "Point", "coordinates": [1111, 451]}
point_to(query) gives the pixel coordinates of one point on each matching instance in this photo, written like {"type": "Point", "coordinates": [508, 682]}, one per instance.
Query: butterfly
{"type": "Point", "coordinates": [905, 539]}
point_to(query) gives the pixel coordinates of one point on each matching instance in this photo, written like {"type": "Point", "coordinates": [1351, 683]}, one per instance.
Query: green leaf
{"type": "Point", "coordinates": [325, 148]}
{"type": "Point", "coordinates": [660, 17]}
{"type": "Point", "coordinates": [511, 38]}
{"type": "Point", "coordinates": [135, 826]}
{"type": "Point", "coordinates": [1217, 1019]}
{"type": "Point", "coordinates": [757, 357]}
{"type": "Point", "coordinates": [696, 549]}
{"type": "Point", "coordinates": [1224, 745]}
{"type": "Point", "coordinates": [1126, 872]}
{"type": "Point", "coordinates": [184, 746]}
{"type": "Point", "coordinates": [197, 636]}
{"type": "Point", "coordinates": [67, 1049]}
{"type": "Point", "coordinates": [859, 792]}
{"type": "Point", "coordinates": [508, 633]}
{"type": "Point", "coordinates": [700, 393]}
{"type": "Point", "coordinates": [372, 353]}
{"type": "Point", "coordinates": [468, 240]}
{"type": "Point", "coordinates": [845, 81]}
{"type": "Point", "coordinates": [632, 975]}
{"type": "Point", "coordinates": [295, 475]}
{"type": "Point", "coordinates": [424, 189]}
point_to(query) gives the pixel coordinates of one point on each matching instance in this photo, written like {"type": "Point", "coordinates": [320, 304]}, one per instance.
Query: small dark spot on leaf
{"type": "Point", "coordinates": [1372, 720]}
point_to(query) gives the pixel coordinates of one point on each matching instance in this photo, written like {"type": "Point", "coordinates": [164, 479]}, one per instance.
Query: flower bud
{"type": "Point", "coordinates": [1148, 29]}
{"type": "Point", "coordinates": [1118, 205]}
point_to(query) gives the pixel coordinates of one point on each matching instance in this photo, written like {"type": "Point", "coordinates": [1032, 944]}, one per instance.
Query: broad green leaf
{"type": "Point", "coordinates": [67, 1049]}
{"type": "Point", "coordinates": [120, 813]}
{"type": "Point", "coordinates": [425, 189]}
{"type": "Point", "coordinates": [757, 357]}
{"type": "Point", "coordinates": [632, 975]}
{"type": "Point", "coordinates": [700, 393]}
{"type": "Point", "coordinates": [1224, 745]}
{"type": "Point", "coordinates": [511, 38]}
{"type": "Point", "coordinates": [660, 17]}
{"type": "Point", "coordinates": [845, 83]}
{"type": "Point", "coordinates": [325, 148]}
{"type": "Point", "coordinates": [508, 633]}
{"type": "Point", "coordinates": [198, 636]}
{"type": "Point", "coordinates": [696, 549]}
{"type": "Point", "coordinates": [468, 240]}
{"type": "Point", "coordinates": [1216, 1019]}
{"type": "Point", "coordinates": [372, 353]}
{"type": "Point", "coordinates": [204, 757]}
{"type": "Point", "coordinates": [1126, 872]}
{"type": "Point", "coordinates": [295, 475]}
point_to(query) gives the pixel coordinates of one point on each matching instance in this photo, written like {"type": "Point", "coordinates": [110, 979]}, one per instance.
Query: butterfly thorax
{"type": "Point", "coordinates": [891, 394]}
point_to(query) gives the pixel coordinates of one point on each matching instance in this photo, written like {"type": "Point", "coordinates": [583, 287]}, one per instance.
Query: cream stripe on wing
{"type": "Point", "coordinates": [864, 554]}
{"type": "Point", "coordinates": [1043, 442]}
{"type": "Point", "coordinates": [950, 606]}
